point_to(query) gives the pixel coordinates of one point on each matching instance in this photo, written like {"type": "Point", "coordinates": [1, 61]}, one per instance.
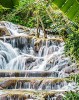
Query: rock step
{"type": "Point", "coordinates": [17, 73]}
{"type": "Point", "coordinates": [30, 94]}
{"type": "Point", "coordinates": [29, 36]}
{"type": "Point", "coordinates": [32, 79]}
{"type": "Point", "coordinates": [33, 83]}
{"type": "Point", "coordinates": [29, 73]}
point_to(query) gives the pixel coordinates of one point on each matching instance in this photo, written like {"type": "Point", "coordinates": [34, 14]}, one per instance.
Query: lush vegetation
{"type": "Point", "coordinates": [46, 15]}
{"type": "Point", "coordinates": [9, 3]}
{"type": "Point", "coordinates": [68, 8]}
{"type": "Point", "coordinates": [72, 45]}
{"type": "Point", "coordinates": [71, 96]}
{"type": "Point", "coordinates": [75, 78]}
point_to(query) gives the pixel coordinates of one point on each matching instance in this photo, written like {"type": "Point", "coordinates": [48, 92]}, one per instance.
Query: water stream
{"type": "Point", "coordinates": [28, 58]}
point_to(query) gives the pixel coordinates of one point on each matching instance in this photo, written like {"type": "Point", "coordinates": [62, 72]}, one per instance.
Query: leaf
{"type": "Point", "coordinates": [9, 3]}
{"type": "Point", "coordinates": [70, 8]}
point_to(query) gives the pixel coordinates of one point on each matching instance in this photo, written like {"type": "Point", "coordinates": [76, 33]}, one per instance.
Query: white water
{"type": "Point", "coordinates": [12, 28]}
{"type": "Point", "coordinates": [50, 57]}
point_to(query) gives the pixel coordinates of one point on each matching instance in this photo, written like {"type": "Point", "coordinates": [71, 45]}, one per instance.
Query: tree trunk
{"type": "Point", "coordinates": [45, 35]}
{"type": "Point", "coordinates": [38, 27]}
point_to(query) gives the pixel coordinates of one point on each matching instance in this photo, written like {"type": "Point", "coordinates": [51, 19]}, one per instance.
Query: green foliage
{"type": "Point", "coordinates": [28, 7]}
{"type": "Point", "coordinates": [2, 9]}
{"type": "Point", "coordinates": [28, 10]}
{"type": "Point", "coordinates": [72, 45]}
{"type": "Point", "coordinates": [75, 78]}
{"type": "Point", "coordinates": [52, 17]}
{"type": "Point", "coordinates": [26, 14]}
{"type": "Point", "coordinates": [9, 3]}
{"type": "Point", "coordinates": [22, 14]}
{"type": "Point", "coordinates": [64, 26]}
{"type": "Point", "coordinates": [70, 8]}
{"type": "Point", "coordinates": [71, 96]}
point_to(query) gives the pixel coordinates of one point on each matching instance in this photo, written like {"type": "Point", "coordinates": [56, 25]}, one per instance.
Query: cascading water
{"type": "Point", "coordinates": [25, 57]}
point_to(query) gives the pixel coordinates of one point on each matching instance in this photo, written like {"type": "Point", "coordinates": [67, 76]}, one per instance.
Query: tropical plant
{"type": "Point", "coordinates": [9, 3]}
{"type": "Point", "coordinates": [44, 14]}
{"type": "Point", "coordinates": [28, 13]}
{"type": "Point", "coordinates": [72, 45]}
{"type": "Point", "coordinates": [47, 15]}
{"type": "Point", "coordinates": [70, 8]}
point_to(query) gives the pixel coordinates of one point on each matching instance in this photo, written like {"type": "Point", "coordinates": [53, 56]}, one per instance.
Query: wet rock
{"type": "Point", "coordinates": [69, 70]}
{"type": "Point", "coordinates": [37, 45]}
{"type": "Point", "coordinates": [59, 97]}
{"type": "Point", "coordinates": [4, 31]}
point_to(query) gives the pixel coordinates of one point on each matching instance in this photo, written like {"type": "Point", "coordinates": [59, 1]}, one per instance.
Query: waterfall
{"type": "Point", "coordinates": [29, 69]}
{"type": "Point", "coordinates": [12, 28]}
